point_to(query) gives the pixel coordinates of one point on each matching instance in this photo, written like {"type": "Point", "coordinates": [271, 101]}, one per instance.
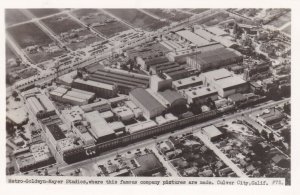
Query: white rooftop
{"type": "Point", "coordinates": [192, 37]}
{"type": "Point", "coordinates": [212, 131]}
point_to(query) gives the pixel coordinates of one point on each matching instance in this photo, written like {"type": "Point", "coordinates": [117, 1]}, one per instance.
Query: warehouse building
{"type": "Point", "coordinates": [41, 106]}
{"type": "Point", "coordinates": [200, 94]}
{"type": "Point", "coordinates": [225, 82]}
{"type": "Point", "coordinates": [100, 129]}
{"type": "Point", "coordinates": [180, 56]}
{"type": "Point", "coordinates": [172, 69]}
{"type": "Point", "coordinates": [100, 89]}
{"type": "Point", "coordinates": [140, 126]}
{"type": "Point", "coordinates": [214, 59]}
{"type": "Point", "coordinates": [72, 96]}
{"type": "Point", "coordinates": [212, 133]}
{"type": "Point", "coordinates": [191, 37]}
{"type": "Point", "coordinates": [173, 100]}
{"type": "Point", "coordinates": [125, 81]}
{"type": "Point", "coordinates": [143, 99]}
{"type": "Point", "coordinates": [185, 83]}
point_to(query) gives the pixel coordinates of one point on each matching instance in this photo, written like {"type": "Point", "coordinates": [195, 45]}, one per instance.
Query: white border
{"type": "Point", "coordinates": [140, 189]}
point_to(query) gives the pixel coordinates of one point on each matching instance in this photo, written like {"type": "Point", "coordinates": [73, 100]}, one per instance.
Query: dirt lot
{"type": "Point", "coordinates": [29, 34]}
{"type": "Point", "coordinates": [138, 19]}
{"type": "Point", "coordinates": [43, 12]}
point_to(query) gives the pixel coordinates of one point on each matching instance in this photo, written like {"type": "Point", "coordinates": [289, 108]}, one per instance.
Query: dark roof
{"type": "Point", "coordinates": [216, 56]}
{"type": "Point", "coordinates": [56, 132]}
{"type": "Point", "coordinates": [149, 164]}
{"type": "Point", "coordinates": [146, 99]}
{"type": "Point", "coordinates": [171, 96]}
{"type": "Point", "coordinates": [120, 79]}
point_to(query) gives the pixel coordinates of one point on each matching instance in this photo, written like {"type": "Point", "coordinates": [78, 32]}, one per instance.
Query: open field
{"type": "Point", "coordinates": [71, 32]}
{"type": "Point", "coordinates": [43, 12]}
{"type": "Point", "coordinates": [61, 23]}
{"type": "Point", "coordinates": [169, 14]}
{"type": "Point", "coordinates": [29, 34]}
{"type": "Point", "coordinates": [14, 16]}
{"type": "Point", "coordinates": [100, 22]}
{"type": "Point", "coordinates": [138, 19]}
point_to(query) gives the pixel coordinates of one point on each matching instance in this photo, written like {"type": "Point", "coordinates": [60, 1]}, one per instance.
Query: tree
{"type": "Point", "coordinates": [271, 137]}
{"type": "Point", "coordinates": [14, 94]}
{"type": "Point", "coordinates": [10, 128]}
{"type": "Point", "coordinates": [264, 134]}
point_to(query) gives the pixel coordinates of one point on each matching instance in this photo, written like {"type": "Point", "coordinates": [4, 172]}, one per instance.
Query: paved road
{"type": "Point", "coordinates": [221, 155]}
{"type": "Point", "coordinates": [146, 143]}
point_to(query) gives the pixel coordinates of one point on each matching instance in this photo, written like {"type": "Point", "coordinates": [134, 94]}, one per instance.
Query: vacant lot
{"type": "Point", "coordinates": [61, 23]}
{"type": "Point", "coordinates": [29, 34]}
{"type": "Point", "coordinates": [100, 21]}
{"type": "Point", "coordinates": [43, 12]}
{"type": "Point", "coordinates": [169, 14]}
{"type": "Point", "coordinates": [111, 29]}
{"type": "Point", "coordinates": [138, 19]}
{"type": "Point", "coordinates": [14, 16]}
{"type": "Point", "coordinates": [76, 36]}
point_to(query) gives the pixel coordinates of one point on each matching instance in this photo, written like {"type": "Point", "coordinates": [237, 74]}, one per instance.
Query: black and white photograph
{"type": "Point", "coordinates": [169, 93]}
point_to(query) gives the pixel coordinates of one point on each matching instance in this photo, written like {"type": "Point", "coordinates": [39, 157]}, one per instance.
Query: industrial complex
{"type": "Point", "coordinates": [176, 92]}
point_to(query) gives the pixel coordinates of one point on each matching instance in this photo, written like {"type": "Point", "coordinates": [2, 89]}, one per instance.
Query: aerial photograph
{"type": "Point", "coordinates": [186, 92]}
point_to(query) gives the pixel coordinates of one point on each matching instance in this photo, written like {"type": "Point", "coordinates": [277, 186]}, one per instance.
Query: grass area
{"type": "Point", "coordinates": [14, 16]}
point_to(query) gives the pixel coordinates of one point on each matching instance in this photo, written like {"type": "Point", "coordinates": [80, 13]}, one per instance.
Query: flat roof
{"type": "Point", "coordinates": [187, 81]}
{"type": "Point", "coordinates": [200, 91]}
{"type": "Point", "coordinates": [217, 74]}
{"type": "Point", "coordinates": [60, 89]}
{"type": "Point", "coordinates": [79, 94]}
{"type": "Point", "coordinates": [146, 99]}
{"type": "Point", "coordinates": [192, 37]}
{"type": "Point", "coordinates": [212, 131]}
{"type": "Point", "coordinates": [230, 81]}
{"type": "Point", "coordinates": [99, 126]}
{"type": "Point", "coordinates": [203, 33]}
{"type": "Point", "coordinates": [217, 31]}
{"type": "Point", "coordinates": [72, 98]}
{"type": "Point", "coordinates": [223, 78]}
